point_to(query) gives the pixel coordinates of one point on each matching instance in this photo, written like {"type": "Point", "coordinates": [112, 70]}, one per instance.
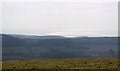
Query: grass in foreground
{"type": "Point", "coordinates": [68, 63]}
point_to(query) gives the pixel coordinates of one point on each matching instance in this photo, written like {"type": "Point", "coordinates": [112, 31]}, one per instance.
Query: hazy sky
{"type": "Point", "coordinates": [60, 18]}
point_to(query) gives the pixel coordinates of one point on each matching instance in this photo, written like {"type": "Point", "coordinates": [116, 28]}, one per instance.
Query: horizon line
{"type": "Point", "coordinates": [61, 35]}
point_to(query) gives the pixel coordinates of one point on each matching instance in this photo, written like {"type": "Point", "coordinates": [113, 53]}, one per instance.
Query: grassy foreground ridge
{"type": "Point", "coordinates": [68, 63]}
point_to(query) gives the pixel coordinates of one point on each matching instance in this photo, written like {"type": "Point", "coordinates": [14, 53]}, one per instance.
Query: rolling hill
{"type": "Point", "coordinates": [20, 47]}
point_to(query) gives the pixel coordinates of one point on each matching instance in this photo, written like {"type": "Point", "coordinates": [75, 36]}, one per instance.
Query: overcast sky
{"type": "Point", "coordinates": [60, 18]}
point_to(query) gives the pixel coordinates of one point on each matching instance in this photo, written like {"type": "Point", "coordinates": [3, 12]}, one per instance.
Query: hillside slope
{"type": "Point", "coordinates": [15, 47]}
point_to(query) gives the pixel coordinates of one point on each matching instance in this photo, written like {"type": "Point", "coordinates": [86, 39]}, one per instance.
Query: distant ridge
{"type": "Point", "coordinates": [36, 36]}
{"type": "Point", "coordinates": [38, 47]}
{"type": "Point", "coordinates": [51, 36]}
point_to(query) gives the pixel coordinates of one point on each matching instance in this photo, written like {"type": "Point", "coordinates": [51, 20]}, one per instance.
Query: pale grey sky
{"type": "Point", "coordinates": [60, 18]}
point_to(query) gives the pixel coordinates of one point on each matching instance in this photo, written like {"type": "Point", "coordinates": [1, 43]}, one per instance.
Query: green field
{"type": "Point", "coordinates": [68, 63]}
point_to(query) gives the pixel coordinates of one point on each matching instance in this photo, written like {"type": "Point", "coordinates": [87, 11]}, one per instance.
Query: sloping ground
{"type": "Point", "coordinates": [69, 63]}
{"type": "Point", "coordinates": [16, 48]}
